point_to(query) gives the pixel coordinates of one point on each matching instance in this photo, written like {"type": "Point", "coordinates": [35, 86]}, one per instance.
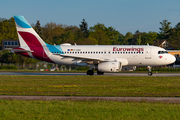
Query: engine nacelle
{"type": "Point", "coordinates": [109, 66]}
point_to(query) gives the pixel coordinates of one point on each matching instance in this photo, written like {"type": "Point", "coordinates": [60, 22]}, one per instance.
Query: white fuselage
{"type": "Point", "coordinates": [136, 55]}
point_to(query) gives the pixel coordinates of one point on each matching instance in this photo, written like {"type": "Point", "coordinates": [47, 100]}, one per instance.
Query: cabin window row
{"type": "Point", "coordinates": [99, 52]}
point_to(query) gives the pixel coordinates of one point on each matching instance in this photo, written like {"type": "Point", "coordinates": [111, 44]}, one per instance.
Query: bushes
{"type": "Point", "coordinates": [83, 68]}
{"type": "Point", "coordinates": [168, 69]}
{"type": "Point", "coordinates": [160, 69]}
{"type": "Point", "coordinates": [8, 68]}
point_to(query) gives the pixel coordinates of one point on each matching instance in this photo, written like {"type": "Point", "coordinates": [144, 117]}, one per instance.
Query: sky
{"type": "Point", "coordinates": [123, 15]}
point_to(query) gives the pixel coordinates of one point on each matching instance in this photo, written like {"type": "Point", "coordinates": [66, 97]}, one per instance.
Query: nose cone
{"type": "Point", "coordinates": [172, 59]}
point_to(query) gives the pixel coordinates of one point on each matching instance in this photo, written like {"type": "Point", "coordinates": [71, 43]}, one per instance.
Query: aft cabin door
{"type": "Point", "coordinates": [148, 53]}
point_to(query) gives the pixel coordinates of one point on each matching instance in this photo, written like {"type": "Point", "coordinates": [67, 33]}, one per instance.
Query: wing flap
{"type": "Point", "coordinates": [85, 58]}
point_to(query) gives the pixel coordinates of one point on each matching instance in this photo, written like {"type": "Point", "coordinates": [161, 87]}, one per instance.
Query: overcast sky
{"type": "Point", "coordinates": [123, 15]}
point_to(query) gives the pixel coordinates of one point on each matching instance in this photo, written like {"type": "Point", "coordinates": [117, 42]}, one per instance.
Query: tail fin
{"type": "Point", "coordinates": [30, 40]}
{"type": "Point", "coordinates": [27, 35]}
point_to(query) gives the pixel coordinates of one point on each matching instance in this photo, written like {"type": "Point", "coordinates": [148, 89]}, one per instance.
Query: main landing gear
{"type": "Point", "coordinates": [100, 73]}
{"type": "Point", "coordinates": [150, 72]}
{"type": "Point", "coordinates": [91, 72]}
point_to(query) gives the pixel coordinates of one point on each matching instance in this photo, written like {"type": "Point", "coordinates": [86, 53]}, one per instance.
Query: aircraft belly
{"type": "Point", "coordinates": [132, 61]}
{"type": "Point", "coordinates": [60, 60]}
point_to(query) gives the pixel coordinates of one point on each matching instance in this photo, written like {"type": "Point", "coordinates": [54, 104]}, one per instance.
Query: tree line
{"type": "Point", "coordinates": [99, 34]}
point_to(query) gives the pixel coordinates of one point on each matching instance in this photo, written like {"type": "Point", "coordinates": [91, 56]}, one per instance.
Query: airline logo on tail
{"type": "Point", "coordinates": [30, 40]}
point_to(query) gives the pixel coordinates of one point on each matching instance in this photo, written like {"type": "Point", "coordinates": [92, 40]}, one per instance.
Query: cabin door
{"type": "Point", "coordinates": [148, 53]}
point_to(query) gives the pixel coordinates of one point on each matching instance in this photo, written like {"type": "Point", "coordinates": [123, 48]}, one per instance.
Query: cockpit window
{"type": "Point", "coordinates": [162, 52]}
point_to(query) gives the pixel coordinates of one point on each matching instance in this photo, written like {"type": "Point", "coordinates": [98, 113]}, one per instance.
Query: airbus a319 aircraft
{"type": "Point", "coordinates": [103, 58]}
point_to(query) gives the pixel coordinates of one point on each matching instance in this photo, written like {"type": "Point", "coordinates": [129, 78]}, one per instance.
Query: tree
{"type": "Point", "coordinates": [84, 28]}
{"type": "Point", "coordinates": [165, 26]}
{"type": "Point", "coordinates": [8, 29]}
{"type": "Point", "coordinates": [127, 38]}
{"type": "Point", "coordinates": [139, 40]}
{"type": "Point", "coordinates": [177, 27]}
{"type": "Point", "coordinates": [137, 32]}
{"type": "Point", "coordinates": [38, 28]}
{"type": "Point", "coordinates": [113, 35]}
{"type": "Point", "coordinates": [149, 38]}
{"type": "Point", "coordinates": [50, 30]}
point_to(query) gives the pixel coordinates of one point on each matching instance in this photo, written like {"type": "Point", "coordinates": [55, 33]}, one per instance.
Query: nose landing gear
{"type": "Point", "coordinates": [149, 73]}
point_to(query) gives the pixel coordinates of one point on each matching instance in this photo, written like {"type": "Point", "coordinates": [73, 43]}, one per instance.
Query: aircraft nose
{"type": "Point", "coordinates": [172, 59]}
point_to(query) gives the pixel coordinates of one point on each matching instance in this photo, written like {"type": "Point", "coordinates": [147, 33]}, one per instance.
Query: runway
{"type": "Point", "coordinates": [77, 73]}
{"type": "Point", "coordinates": [84, 98]}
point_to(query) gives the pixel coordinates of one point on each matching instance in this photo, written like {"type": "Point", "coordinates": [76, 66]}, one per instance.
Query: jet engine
{"type": "Point", "coordinates": [109, 66]}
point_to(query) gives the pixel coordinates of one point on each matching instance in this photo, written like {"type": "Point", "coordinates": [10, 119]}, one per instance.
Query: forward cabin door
{"type": "Point", "coordinates": [148, 53]}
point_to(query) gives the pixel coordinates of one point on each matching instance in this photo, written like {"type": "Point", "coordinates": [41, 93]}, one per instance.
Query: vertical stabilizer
{"type": "Point", "coordinates": [30, 40]}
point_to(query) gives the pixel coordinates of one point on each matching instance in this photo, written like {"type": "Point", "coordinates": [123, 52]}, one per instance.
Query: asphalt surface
{"type": "Point", "coordinates": [74, 74]}
{"type": "Point", "coordinates": [83, 98]}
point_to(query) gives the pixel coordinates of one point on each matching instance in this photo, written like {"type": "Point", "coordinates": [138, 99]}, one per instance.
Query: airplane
{"type": "Point", "coordinates": [103, 58]}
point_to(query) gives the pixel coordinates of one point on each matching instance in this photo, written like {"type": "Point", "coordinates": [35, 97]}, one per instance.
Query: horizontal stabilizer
{"type": "Point", "coordinates": [18, 50]}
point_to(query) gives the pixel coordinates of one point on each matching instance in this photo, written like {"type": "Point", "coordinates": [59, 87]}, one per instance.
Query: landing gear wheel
{"type": "Point", "coordinates": [100, 73]}
{"type": "Point", "coordinates": [149, 68]}
{"type": "Point", "coordinates": [150, 73]}
{"type": "Point", "coordinates": [90, 72]}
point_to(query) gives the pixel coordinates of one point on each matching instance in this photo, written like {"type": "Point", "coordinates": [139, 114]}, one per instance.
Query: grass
{"type": "Point", "coordinates": [90, 86]}
{"type": "Point", "coordinates": [87, 110]}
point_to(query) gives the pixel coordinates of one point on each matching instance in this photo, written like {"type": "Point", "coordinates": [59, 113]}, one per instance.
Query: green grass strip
{"type": "Point", "coordinates": [87, 110]}
{"type": "Point", "coordinates": [90, 86]}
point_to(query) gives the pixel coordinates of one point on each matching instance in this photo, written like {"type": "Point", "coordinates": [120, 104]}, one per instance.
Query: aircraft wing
{"type": "Point", "coordinates": [18, 50]}
{"type": "Point", "coordinates": [85, 58]}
